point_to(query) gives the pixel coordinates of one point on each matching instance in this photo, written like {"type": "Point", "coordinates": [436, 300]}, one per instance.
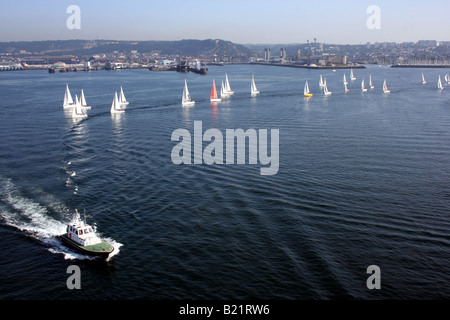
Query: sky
{"type": "Point", "coordinates": [239, 21]}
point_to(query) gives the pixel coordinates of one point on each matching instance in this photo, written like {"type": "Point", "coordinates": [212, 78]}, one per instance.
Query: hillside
{"type": "Point", "coordinates": [207, 48]}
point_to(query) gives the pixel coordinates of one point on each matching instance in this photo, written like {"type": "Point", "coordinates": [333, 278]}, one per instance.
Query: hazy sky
{"type": "Point", "coordinates": [240, 21]}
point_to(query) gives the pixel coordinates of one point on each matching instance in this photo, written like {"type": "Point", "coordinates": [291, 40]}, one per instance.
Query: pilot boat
{"type": "Point", "coordinates": [83, 237]}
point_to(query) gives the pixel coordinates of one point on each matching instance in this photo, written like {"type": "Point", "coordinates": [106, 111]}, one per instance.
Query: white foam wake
{"type": "Point", "coordinates": [34, 219]}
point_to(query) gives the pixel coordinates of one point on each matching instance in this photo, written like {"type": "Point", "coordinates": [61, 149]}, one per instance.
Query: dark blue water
{"type": "Point", "coordinates": [364, 179]}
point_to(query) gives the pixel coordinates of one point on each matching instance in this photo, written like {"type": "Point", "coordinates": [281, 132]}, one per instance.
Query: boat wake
{"type": "Point", "coordinates": [41, 222]}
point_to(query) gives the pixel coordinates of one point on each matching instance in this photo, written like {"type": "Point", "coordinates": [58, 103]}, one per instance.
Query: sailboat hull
{"type": "Point", "coordinates": [188, 103]}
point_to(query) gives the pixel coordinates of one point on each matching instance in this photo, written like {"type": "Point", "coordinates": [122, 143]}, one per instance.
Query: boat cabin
{"type": "Point", "coordinates": [82, 233]}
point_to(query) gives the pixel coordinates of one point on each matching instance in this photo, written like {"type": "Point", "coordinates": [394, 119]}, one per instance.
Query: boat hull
{"type": "Point", "coordinates": [102, 250]}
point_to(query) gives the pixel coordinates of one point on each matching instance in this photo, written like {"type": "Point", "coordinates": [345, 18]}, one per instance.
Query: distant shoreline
{"type": "Point", "coordinates": [420, 66]}
{"type": "Point", "coordinates": [298, 65]}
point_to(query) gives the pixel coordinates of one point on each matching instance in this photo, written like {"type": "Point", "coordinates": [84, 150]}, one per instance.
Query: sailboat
{"type": "Point", "coordinates": [68, 101]}
{"type": "Point", "coordinates": [227, 86]}
{"type": "Point", "coordinates": [321, 83]}
{"type": "Point", "coordinates": [447, 78]}
{"type": "Point", "coordinates": [345, 86]}
{"type": "Point", "coordinates": [345, 79]}
{"type": "Point", "coordinates": [440, 86]}
{"type": "Point", "coordinates": [306, 91]}
{"type": "Point", "coordinates": [84, 105]}
{"type": "Point", "coordinates": [223, 91]}
{"type": "Point", "coordinates": [370, 82]}
{"type": "Point", "coordinates": [325, 89]}
{"type": "Point", "coordinates": [214, 97]}
{"type": "Point", "coordinates": [186, 98]}
{"type": "Point", "coordinates": [254, 91]}
{"type": "Point", "coordinates": [423, 79]}
{"type": "Point", "coordinates": [116, 107]}
{"type": "Point", "coordinates": [122, 99]}
{"type": "Point", "coordinates": [77, 112]}
{"type": "Point", "coordinates": [352, 76]}
{"type": "Point", "coordinates": [385, 88]}
{"type": "Point", "coordinates": [363, 89]}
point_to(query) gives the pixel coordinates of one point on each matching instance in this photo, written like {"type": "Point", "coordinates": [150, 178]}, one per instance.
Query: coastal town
{"type": "Point", "coordinates": [194, 55]}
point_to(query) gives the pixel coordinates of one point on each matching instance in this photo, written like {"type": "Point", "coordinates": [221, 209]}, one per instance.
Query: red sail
{"type": "Point", "coordinates": [213, 91]}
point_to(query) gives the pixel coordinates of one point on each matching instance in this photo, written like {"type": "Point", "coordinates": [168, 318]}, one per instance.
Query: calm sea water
{"type": "Point", "coordinates": [364, 179]}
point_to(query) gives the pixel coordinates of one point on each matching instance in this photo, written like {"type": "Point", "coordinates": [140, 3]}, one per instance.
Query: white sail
{"type": "Point", "coordinates": [321, 83]}
{"type": "Point", "coordinates": [186, 99]}
{"type": "Point", "coordinates": [423, 79]}
{"type": "Point", "coordinates": [363, 87]}
{"type": "Point", "coordinates": [254, 91]}
{"type": "Point", "coordinates": [122, 99]}
{"type": "Point", "coordinates": [345, 86]}
{"type": "Point", "coordinates": [77, 112]}
{"type": "Point", "coordinates": [440, 86]}
{"type": "Point", "coordinates": [68, 101]}
{"type": "Point", "coordinates": [385, 88]}
{"type": "Point", "coordinates": [345, 79]}
{"type": "Point", "coordinates": [370, 82]}
{"type": "Point", "coordinates": [325, 88]}
{"type": "Point", "coordinates": [223, 91]}
{"type": "Point", "coordinates": [83, 101]}
{"type": "Point", "coordinates": [306, 90]}
{"type": "Point", "coordinates": [227, 85]}
{"type": "Point", "coordinates": [352, 76]}
{"type": "Point", "coordinates": [447, 78]}
{"type": "Point", "coordinates": [116, 106]}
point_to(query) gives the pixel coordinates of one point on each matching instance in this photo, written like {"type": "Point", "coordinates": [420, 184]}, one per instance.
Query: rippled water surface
{"type": "Point", "coordinates": [364, 179]}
